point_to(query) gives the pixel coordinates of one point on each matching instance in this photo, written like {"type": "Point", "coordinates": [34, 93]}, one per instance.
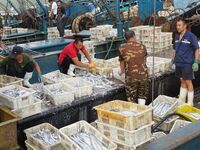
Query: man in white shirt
{"type": "Point", "coordinates": [53, 9]}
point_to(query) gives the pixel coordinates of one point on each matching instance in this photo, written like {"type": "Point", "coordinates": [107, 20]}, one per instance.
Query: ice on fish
{"type": "Point", "coordinates": [87, 141]}
{"type": "Point", "coordinates": [47, 137]}
{"type": "Point", "coordinates": [15, 92]}
{"type": "Point", "coordinates": [125, 112]}
{"type": "Point", "coordinates": [194, 115]}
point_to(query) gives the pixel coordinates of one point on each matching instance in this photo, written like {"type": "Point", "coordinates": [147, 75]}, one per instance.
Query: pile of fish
{"type": "Point", "coordinates": [58, 77]}
{"type": "Point", "coordinates": [15, 92]}
{"type": "Point", "coordinates": [160, 109]}
{"type": "Point", "coordinates": [87, 141]}
{"type": "Point", "coordinates": [47, 137]}
{"type": "Point", "coordinates": [98, 81]}
{"type": "Point", "coordinates": [57, 91]}
{"type": "Point", "coordinates": [194, 115]}
{"type": "Point", "coordinates": [125, 112]}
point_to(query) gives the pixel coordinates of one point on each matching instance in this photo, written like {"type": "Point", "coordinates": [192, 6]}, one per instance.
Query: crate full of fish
{"type": "Point", "coordinates": [54, 77]}
{"type": "Point", "coordinates": [16, 96]}
{"type": "Point", "coordinates": [80, 86]}
{"type": "Point", "coordinates": [83, 136]}
{"type": "Point", "coordinates": [60, 93]}
{"type": "Point", "coordinates": [167, 124]}
{"type": "Point", "coordinates": [44, 137]}
{"type": "Point", "coordinates": [9, 80]}
{"type": "Point", "coordinates": [163, 105]}
{"type": "Point", "coordinates": [126, 115]}
{"type": "Point", "coordinates": [189, 112]}
{"type": "Point", "coordinates": [179, 124]}
{"type": "Point", "coordinates": [127, 137]}
{"type": "Point", "coordinates": [30, 110]}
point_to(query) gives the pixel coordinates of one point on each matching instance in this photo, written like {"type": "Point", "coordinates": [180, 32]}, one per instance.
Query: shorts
{"type": "Point", "coordinates": [186, 72]}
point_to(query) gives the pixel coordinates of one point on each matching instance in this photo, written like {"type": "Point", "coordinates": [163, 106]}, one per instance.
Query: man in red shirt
{"type": "Point", "coordinates": [70, 55]}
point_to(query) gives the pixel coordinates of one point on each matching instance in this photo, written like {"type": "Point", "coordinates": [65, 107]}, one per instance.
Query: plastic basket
{"type": "Point", "coordinates": [157, 135]}
{"type": "Point", "coordinates": [80, 86]}
{"type": "Point", "coordinates": [54, 77]}
{"type": "Point", "coordinates": [77, 127]}
{"type": "Point", "coordinates": [67, 96]}
{"type": "Point", "coordinates": [29, 146]}
{"type": "Point", "coordinates": [184, 110]}
{"type": "Point", "coordinates": [179, 124]}
{"type": "Point", "coordinates": [127, 137]}
{"type": "Point", "coordinates": [9, 80]}
{"type": "Point", "coordinates": [30, 110]}
{"type": "Point", "coordinates": [17, 102]}
{"type": "Point", "coordinates": [164, 99]}
{"type": "Point", "coordinates": [105, 115]}
{"type": "Point", "coordinates": [38, 144]}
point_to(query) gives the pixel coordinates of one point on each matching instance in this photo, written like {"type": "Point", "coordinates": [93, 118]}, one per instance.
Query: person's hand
{"type": "Point", "coordinates": [195, 66]}
{"type": "Point", "coordinates": [39, 76]}
{"type": "Point", "coordinates": [92, 64]}
{"type": "Point", "coordinates": [120, 72]}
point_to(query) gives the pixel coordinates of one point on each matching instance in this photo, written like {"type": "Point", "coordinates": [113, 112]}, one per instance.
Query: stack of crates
{"type": "Point", "coordinates": [162, 41]}
{"type": "Point", "coordinates": [23, 104]}
{"type": "Point", "coordinates": [89, 46]}
{"type": "Point", "coordinates": [127, 131]}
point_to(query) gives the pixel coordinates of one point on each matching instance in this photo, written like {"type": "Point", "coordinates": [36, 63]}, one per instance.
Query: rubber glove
{"type": "Point", "coordinates": [39, 76]}
{"type": "Point", "coordinates": [195, 66]}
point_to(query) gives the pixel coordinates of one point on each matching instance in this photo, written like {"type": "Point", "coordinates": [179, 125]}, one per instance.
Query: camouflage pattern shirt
{"type": "Point", "coordinates": [134, 56]}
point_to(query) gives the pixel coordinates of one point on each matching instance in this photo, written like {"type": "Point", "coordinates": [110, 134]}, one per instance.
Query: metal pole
{"type": "Point", "coordinates": [119, 23]}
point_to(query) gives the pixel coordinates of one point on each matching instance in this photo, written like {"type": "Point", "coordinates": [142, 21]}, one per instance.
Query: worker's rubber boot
{"type": "Point", "coordinates": [141, 101]}
{"type": "Point", "coordinates": [190, 98]}
{"type": "Point", "coordinates": [71, 70]}
{"type": "Point", "coordinates": [183, 94]}
{"type": "Point", "coordinates": [27, 77]}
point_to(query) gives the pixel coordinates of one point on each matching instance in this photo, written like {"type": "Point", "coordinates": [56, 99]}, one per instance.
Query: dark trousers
{"type": "Point", "coordinates": [11, 70]}
{"type": "Point", "coordinates": [64, 67]}
{"type": "Point", "coordinates": [61, 26]}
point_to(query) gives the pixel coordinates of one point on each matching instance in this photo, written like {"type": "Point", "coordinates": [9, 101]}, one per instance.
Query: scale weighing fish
{"type": "Point", "coordinates": [15, 92]}
{"type": "Point", "coordinates": [194, 115]}
{"type": "Point", "coordinates": [47, 137]}
{"type": "Point", "coordinates": [87, 141]}
{"type": "Point", "coordinates": [125, 112]}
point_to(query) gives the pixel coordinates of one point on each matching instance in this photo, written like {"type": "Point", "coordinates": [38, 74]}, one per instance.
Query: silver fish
{"type": "Point", "coordinates": [194, 115]}
{"type": "Point", "coordinates": [160, 109]}
{"type": "Point", "coordinates": [15, 92]}
{"type": "Point", "coordinates": [47, 137]}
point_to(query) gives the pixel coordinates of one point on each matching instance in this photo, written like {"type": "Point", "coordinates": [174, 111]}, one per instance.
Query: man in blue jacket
{"type": "Point", "coordinates": [186, 59]}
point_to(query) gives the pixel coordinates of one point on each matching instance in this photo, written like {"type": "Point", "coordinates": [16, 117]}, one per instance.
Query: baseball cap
{"type": "Point", "coordinates": [16, 51]}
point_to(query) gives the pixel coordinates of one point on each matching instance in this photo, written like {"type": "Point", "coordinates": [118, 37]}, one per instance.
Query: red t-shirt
{"type": "Point", "coordinates": [70, 51]}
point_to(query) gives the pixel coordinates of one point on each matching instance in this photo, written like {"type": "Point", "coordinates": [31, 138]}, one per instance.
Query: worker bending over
{"type": "Point", "coordinates": [132, 59]}
{"type": "Point", "coordinates": [21, 65]}
{"type": "Point", "coordinates": [70, 55]}
{"type": "Point", "coordinates": [186, 58]}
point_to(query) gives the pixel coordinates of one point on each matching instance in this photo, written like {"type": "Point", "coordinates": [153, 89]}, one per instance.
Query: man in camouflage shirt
{"type": "Point", "coordinates": [132, 59]}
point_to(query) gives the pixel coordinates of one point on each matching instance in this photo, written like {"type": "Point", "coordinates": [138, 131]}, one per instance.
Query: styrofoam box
{"type": "Point", "coordinates": [163, 98]}
{"type": "Point", "coordinates": [78, 127]}
{"type": "Point", "coordinates": [30, 110]}
{"type": "Point", "coordinates": [127, 137]}
{"type": "Point", "coordinates": [9, 80]}
{"type": "Point", "coordinates": [54, 77]}
{"type": "Point", "coordinates": [38, 144]}
{"type": "Point", "coordinates": [17, 102]}
{"type": "Point", "coordinates": [179, 124]}
{"type": "Point", "coordinates": [66, 97]}
{"type": "Point", "coordinates": [29, 146]}
{"type": "Point", "coordinates": [80, 86]}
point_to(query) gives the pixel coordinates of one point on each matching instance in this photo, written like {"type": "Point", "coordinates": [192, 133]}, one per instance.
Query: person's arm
{"type": "Point", "coordinates": [79, 63]}
{"type": "Point", "coordinates": [122, 66]}
{"type": "Point", "coordinates": [85, 52]}
{"type": "Point", "coordinates": [197, 54]}
{"type": "Point", "coordinates": [37, 67]}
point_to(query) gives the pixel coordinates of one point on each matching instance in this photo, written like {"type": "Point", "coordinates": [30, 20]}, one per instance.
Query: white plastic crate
{"type": "Point", "coordinates": [162, 99]}
{"type": "Point", "coordinates": [157, 135]}
{"type": "Point", "coordinates": [16, 102]}
{"type": "Point", "coordinates": [29, 146]}
{"type": "Point", "coordinates": [9, 80]}
{"type": "Point", "coordinates": [86, 127]}
{"type": "Point", "coordinates": [179, 124]}
{"type": "Point", "coordinates": [30, 110]}
{"type": "Point", "coordinates": [127, 137]}
{"type": "Point", "coordinates": [54, 77]}
{"type": "Point", "coordinates": [80, 86]}
{"type": "Point", "coordinates": [60, 93]}
{"type": "Point", "coordinates": [142, 117]}
{"type": "Point", "coordinates": [31, 140]}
